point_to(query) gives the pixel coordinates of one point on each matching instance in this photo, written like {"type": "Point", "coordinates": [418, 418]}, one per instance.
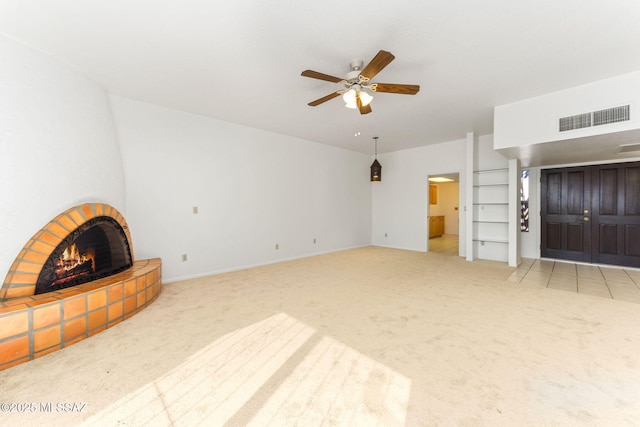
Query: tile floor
{"type": "Point", "coordinates": [445, 244]}
{"type": "Point", "coordinates": [611, 282]}
{"type": "Point", "coordinates": [603, 281]}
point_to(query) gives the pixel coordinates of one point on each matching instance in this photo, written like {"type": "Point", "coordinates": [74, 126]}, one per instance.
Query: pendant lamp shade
{"type": "Point", "coordinates": [376, 167]}
{"type": "Point", "coordinates": [376, 171]}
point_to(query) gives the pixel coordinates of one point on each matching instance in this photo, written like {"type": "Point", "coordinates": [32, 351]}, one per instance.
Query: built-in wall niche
{"type": "Point", "coordinates": [491, 214]}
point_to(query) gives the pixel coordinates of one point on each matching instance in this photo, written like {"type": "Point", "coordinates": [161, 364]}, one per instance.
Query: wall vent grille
{"type": "Point", "coordinates": [595, 118]}
{"type": "Point", "coordinates": [611, 115]}
{"type": "Point", "coordinates": [575, 122]}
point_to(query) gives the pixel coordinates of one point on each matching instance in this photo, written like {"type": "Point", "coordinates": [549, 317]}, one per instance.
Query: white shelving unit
{"type": "Point", "coordinates": [491, 214]}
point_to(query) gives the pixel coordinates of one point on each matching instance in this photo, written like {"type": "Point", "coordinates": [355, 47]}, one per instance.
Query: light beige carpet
{"type": "Point", "coordinates": [370, 336]}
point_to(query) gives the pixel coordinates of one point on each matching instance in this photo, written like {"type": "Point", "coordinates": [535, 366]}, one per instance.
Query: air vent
{"type": "Point", "coordinates": [595, 118]}
{"type": "Point", "coordinates": [611, 115]}
{"type": "Point", "coordinates": [575, 122]}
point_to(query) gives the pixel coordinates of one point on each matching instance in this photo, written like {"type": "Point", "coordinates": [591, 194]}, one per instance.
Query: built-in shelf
{"type": "Point", "coordinates": [490, 203]}
{"type": "Point", "coordinates": [491, 240]}
{"type": "Point", "coordinates": [491, 214]}
{"type": "Point", "coordinates": [496, 170]}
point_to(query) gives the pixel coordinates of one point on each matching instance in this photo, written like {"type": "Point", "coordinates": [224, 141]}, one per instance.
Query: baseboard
{"type": "Point", "coordinates": [246, 266]}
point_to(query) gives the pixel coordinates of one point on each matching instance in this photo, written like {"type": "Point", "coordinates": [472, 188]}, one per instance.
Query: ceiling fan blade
{"type": "Point", "coordinates": [320, 76]}
{"type": "Point", "coordinates": [395, 88]}
{"type": "Point", "coordinates": [364, 109]}
{"type": "Point", "coordinates": [381, 60]}
{"type": "Point", "coordinates": [324, 99]}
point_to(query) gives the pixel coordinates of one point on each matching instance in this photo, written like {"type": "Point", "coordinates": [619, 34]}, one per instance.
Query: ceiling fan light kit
{"type": "Point", "coordinates": [357, 83]}
{"type": "Point", "coordinates": [351, 96]}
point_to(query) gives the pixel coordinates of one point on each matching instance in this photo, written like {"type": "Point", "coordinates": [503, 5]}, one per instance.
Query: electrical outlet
{"type": "Point", "coordinates": [385, 234]}
{"type": "Point", "coordinates": [277, 246]}
{"type": "Point", "coordinates": [195, 209]}
{"type": "Point", "coordinates": [314, 240]}
{"type": "Point", "coordinates": [184, 257]}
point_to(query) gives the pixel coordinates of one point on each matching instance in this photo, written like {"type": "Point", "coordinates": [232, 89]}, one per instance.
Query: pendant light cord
{"type": "Point", "coordinates": [375, 156]}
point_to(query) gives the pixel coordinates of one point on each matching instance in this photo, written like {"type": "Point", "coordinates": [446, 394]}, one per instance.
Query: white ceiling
{"type": "Point", "coordinates": [240, 61]}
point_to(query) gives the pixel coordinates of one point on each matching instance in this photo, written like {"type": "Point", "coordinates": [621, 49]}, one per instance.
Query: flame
{"type": "Point", "coordinates": [72, 258]}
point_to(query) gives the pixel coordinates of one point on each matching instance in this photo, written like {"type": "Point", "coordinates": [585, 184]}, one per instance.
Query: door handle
{"type": "Point", "coordinates": [585, 219]}
{"type": "Point", "coordinates": [586, 211]}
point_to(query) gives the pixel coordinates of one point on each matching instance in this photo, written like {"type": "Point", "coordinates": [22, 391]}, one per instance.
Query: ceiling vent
{"type": "Point", "coordinates": [595, 118]}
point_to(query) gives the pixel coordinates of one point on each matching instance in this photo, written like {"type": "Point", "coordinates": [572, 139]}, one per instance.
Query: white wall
{"type": "Point", "coordinates": [485, 157]}
{"type": "Point", "coordinates": [58, 145]}
{"type": "Point", "coordinates": [535, 120]}
{"type": "Point", "coordinates": [400, 200]}
{"type": "Point", "coordinates": [253, 189]}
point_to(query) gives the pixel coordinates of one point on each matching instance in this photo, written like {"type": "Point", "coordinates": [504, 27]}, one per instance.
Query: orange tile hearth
{"type": "Point", "coordinates": [32, 326]}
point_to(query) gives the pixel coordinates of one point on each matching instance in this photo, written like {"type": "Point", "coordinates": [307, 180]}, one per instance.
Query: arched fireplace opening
{"type": "Point", "coordinates": [98, 248]}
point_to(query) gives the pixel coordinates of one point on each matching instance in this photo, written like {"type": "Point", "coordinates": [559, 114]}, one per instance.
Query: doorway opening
{"type": "Point", "coordinates": [443, 223]}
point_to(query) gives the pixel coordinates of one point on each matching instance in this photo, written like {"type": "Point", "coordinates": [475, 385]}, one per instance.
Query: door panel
{"type": "Point", "coordinates": [553, 233]}
{"type": "Point", "coordinates": [616, 190]}
{"type": "Point", "coordinates": [608, 199]}
{"type": "Point", "coordinates": [575, 237]}
{"type": "Point", "coordinates": [632, 190]}
{"type": "Point", "coordinates": [575, 192]}
{"type": "Point", "coordinates": [592, 214]}
{"type": "Point", "coordinates": [564, 234]}
{"type": "Point", "coordinates": [608, 238]}
{"type": "Point", "coordinates": [554, 193]}
{"type": "Point", "coordinates": [632, 239]}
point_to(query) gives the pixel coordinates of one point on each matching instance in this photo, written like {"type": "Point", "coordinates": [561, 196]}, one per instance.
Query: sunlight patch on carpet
{"type": "Point", "coordinates": [215, 382]}
{"type": "Point", "coordinates": [332, 383]}
{"type": "Point", "coordinates": [337, 385]}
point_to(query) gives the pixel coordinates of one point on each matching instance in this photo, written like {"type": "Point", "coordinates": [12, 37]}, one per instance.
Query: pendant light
{"type": "Point", "coordinates": [376, 167]}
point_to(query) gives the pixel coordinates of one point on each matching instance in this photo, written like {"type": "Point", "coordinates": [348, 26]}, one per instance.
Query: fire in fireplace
{"type": "Point", "coordinates": [96, 249]}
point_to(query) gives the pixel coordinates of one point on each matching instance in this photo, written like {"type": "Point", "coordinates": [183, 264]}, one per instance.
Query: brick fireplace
{"type": "Point", "coordinates": [61, 289]}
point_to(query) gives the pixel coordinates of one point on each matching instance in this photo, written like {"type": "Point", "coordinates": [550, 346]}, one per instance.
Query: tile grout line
{"type": "Point", "coordinates": [606, 282]}
{"type": "Point", "coordinates": [549, 279]}
{"type": "Point", "coordinates": [577, 279]}
{"type": "Point", "coordinates": [630, 278]}
{"type": "Point", "coordinates": [525, 274]}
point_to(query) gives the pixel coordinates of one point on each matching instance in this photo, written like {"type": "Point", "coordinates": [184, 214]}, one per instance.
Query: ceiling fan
{"type": "Point", "coordinates": [358, 82]}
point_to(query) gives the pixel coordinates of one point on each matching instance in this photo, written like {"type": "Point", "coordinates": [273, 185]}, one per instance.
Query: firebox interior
{"type": "Point", "coordinates": [96, 249]}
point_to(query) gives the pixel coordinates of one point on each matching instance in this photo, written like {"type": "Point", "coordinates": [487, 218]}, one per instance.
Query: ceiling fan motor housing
{"type": "Point", "coordinates": [353, 75]}
{"type": "Point", "coordinates": [356, 65]}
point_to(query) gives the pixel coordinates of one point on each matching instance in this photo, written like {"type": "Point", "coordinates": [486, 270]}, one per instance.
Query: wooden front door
{"type": "Point", "coordinates": [592, 214]}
